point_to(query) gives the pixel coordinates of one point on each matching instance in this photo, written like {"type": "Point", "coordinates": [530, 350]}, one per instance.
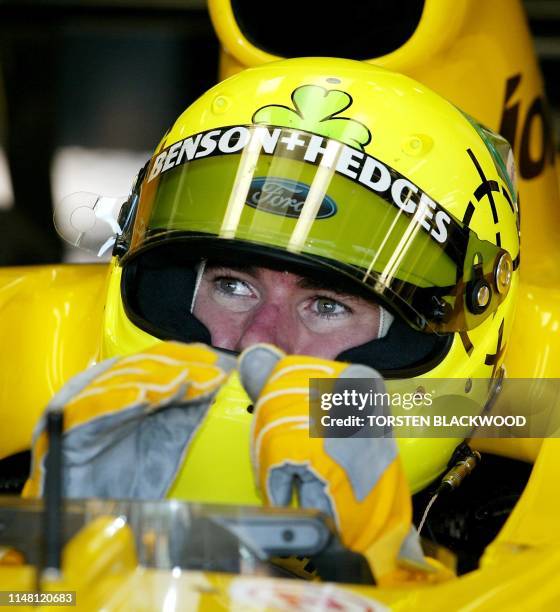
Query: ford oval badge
{"type": "Point", "coordinates": [284, 197]}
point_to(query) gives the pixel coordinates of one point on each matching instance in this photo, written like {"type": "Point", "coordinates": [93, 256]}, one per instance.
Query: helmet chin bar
{"type": "Point", "coordinates": [402, 353]}
{"type": "Point", "coordinates": [89, 221]}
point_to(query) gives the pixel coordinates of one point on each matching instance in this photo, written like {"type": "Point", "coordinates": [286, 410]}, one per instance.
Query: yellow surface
{"type": "Point", "coordinates": [50, 329]}
{"type": "Point", "coordinates": [533, 352]}
{"type": "Point", "coordinates": [219, 466]}
{"type": "Point", "coordinates": [96, 564]}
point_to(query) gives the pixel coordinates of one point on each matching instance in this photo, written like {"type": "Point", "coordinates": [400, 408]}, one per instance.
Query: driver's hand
{"type": "Point", "coordinates": [125, 424]}
{"type": "Point", "coordinates": [357, 481]}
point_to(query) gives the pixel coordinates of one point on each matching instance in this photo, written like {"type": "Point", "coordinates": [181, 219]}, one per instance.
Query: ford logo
{"type": "Point", "coordinates": [284, 197]}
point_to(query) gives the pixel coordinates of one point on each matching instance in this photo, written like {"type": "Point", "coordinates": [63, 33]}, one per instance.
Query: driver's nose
{"type": "Point", "coordinates": [265, 325]}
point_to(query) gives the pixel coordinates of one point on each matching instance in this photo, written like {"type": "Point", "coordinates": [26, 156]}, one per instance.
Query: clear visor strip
{"type": "Point", "coordinates": [199, 273]}
{"type": "Point", "coordinates": [242, 184]}
{"type": "Point", "coordinates": [315, 197]}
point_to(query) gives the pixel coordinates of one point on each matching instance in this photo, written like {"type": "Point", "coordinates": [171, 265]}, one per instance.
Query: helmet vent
{"type": "Point", "coordinates": [355, 30]}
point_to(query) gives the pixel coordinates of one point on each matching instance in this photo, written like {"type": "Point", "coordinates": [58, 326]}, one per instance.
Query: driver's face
{"type": "Point", "coordinates": [243, 306]}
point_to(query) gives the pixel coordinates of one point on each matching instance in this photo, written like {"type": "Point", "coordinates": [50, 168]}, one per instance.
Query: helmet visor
{"type": "Point", "coordinates": [326, 203]}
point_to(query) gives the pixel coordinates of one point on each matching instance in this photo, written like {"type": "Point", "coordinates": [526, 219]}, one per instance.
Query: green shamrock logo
{"type": "Point", "coordinates": [315, 110]}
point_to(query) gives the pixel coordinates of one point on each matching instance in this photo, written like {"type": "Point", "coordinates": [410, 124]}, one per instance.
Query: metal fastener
{"type": "Point", "coordinates": [483, 296]}
{"type": "Point", "coordinates": [504, 270]}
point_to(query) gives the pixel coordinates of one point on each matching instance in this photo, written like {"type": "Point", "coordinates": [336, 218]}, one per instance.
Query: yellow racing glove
{"type": "Point", "coordinates": [128, 421]}
{"type": "Point", "coordinates": [359, 481]}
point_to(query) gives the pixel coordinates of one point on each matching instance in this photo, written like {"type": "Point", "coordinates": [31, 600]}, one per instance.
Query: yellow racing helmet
{"type": "Point", "coordinates": [333, 169]}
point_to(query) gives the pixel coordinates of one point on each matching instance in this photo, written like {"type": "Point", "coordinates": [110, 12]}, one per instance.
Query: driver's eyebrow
{"type": "Point", "coordinates": [315, 283]}
{"type": "Point", "coordinates": [304, 282]}
{"type": "Point", "coordinates": [318, 284]}
{"type": "Point", "coordinates": [251, 270]}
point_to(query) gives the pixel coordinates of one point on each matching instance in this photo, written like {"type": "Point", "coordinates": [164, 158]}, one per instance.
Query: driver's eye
{"type": "Point", "coordinates": [326, 307]}
{"type": "Point", "coordinates": [232, 286]}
